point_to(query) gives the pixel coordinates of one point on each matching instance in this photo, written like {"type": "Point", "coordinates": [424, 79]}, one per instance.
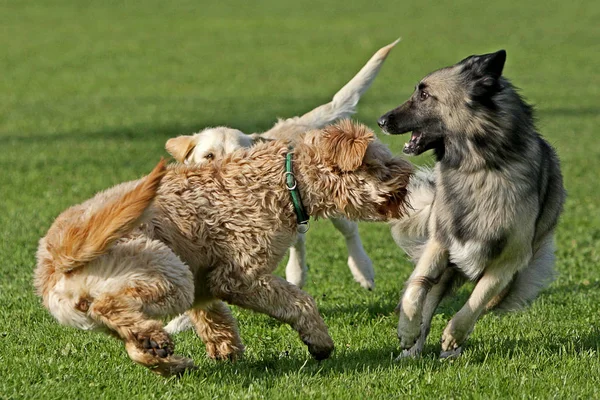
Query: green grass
{"type": "Point", "coordinates": [90, 91]}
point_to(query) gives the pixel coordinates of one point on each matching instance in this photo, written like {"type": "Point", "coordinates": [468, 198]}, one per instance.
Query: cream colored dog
{"type": "Point", "coordinates": [214, 143]}
{"type": "Point", "coordinates": [188, 237]}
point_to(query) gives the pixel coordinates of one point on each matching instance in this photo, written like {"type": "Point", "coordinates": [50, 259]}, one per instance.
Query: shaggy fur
{"type": "Point", "coordinates": [214, 143]}
{"type": "Point", "coordinates": [488, 210]}
{"type": "Point", "coordinates": [187, 238]}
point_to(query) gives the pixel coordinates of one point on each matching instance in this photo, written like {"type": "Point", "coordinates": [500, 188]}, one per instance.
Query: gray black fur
{"type": "Point", "coordinates": [488, 209]}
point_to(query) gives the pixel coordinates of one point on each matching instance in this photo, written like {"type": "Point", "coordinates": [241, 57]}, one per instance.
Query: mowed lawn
{"type": "Point", "coordinates": [90, 92]}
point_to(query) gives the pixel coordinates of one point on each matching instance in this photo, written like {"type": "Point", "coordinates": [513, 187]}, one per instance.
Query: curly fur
{"type": "Point", "coordinates": [213, 233]}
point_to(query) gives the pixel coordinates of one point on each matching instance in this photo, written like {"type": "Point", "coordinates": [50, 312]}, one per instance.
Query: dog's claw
{"type": "Point", "coordinates": [451, 354]}
{"type": "Point", "coordinates": [413, 352]}
{"type": "Point", "coordinates": [161, 353]}
{"type": "Point", "coordinates": [319, 351]}
{"type": "Point", "coordinates": [161, 347]}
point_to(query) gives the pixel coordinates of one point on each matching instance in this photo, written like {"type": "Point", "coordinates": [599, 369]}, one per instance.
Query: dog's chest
{"type": "Point", "coordinates": [476, 214]}
{"type": "Point", "coordinates": [469, 205]}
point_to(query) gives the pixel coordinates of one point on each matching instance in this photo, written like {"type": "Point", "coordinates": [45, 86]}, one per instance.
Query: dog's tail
{"type": "Point", "coordinates": [411, 231]}
{"type": "Point", "coordinates": [342, 106]}
{"type": "Point", "coordinates": [83, 239]}
{"type": "Point", "coordinates": [529, 282]}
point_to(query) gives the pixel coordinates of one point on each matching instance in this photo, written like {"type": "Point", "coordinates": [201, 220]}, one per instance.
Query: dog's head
{"type": "Point", "coordinates": [210, 144]}
{"type": "Point", "coordinates": [446, 102]}
{"type": "Point", "coordinates": [353, 174]}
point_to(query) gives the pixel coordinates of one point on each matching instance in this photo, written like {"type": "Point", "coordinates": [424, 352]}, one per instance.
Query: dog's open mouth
{"type": "Point", "coordinates": [413, 146]}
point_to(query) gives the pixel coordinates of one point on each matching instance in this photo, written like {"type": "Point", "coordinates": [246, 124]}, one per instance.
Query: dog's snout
{"type": "Point", "coordinates": [382, 121]}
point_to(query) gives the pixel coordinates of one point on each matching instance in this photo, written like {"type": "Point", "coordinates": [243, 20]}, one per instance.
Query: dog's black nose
{"type": "Point", "coordinates": [382, 121]}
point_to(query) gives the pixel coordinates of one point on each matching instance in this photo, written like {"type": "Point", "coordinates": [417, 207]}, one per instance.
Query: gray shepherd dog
{"type": "Point", "coordinates": [486, 212]}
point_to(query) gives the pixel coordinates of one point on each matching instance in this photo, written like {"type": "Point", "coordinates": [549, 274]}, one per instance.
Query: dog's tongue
{"type": "Point", "coordinates": [414, 137]}
{"type": "Point", "coordinates": [411, 146]}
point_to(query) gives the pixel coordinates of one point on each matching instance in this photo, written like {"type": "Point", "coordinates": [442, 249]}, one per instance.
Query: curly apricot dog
{"type": "Point", "coordinates": [187, 238]}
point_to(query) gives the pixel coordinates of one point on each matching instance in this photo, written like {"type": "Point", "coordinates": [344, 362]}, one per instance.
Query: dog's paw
{"type": "Point", "coordinates": [413, 352]}
{"type": "Point", "coordinates": [225, 351]}
{"type": "Point", "coordinates": [158, 344]}
{"type": "Point", "coordinates": [361, 268]}
{"type": "Point", "coordinates": [454, 336]}
{"type": "Point", "coordinates": [408, 332]}
{"type": "Point", "coordinates": [320, 346]}
{"type": "Point", "coordinates": [366, 283]}
{"type": "Point", "coordinates": [173, 366]}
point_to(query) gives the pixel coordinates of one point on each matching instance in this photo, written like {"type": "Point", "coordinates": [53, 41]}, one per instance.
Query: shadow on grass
{"type": "Point", "coordinates": [341, 362]}
{"type": "Point", "coordinates": [138, 132]}
{"type": "Point", "coordinates": [382, 359]}
{"type": "Point", "coordinates": [507, 347]}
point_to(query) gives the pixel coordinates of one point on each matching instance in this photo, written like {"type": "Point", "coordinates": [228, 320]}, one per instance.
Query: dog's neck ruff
{"type": "Point", "coordinates": [292, 185]}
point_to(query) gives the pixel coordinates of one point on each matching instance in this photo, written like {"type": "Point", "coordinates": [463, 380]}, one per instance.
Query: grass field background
{"type": "Point", "coordinates": [90, 92]}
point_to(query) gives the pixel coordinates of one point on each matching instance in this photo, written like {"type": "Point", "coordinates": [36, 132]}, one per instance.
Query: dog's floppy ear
{"type": "Point", "coordinates": [345, 144]}
{"type": "Point", "coordinates": [258, 138]}
{"type": "Point", "coordinates": [180, 146]}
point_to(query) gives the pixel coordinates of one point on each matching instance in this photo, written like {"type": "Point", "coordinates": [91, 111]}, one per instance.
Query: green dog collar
{"type": "Point", "coordinates": [292, 185]}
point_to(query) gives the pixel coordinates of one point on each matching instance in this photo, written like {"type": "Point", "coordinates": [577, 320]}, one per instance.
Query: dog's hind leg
{"type": "Point", "coordinates": [358, 261]}
{"type": "Point", "coordinates": [279, 299]}
{"type": "Point", "coordinates": [494, 280]}
{"type": "Point", "coordinates": [429, 269]}
{"type": "Point", "coordinates": [146, 342]}
{"type": "Point", "coordinates": [296, 268]}
{"type": "Point", "coordinates": [147, 280]}
{"type": "Point", "coordinates": [435, 295]}
{"type": "Point", "coordinates": [218, 330]}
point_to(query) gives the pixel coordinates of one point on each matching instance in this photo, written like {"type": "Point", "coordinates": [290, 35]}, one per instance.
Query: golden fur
{"type": "Point", "coordinates": [213, 233]}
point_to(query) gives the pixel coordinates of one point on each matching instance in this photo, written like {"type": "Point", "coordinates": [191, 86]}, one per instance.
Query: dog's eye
{"type": "Point", "coordinates": [209, 156]}
{"type": "Point", "coordinates": [424, 95]}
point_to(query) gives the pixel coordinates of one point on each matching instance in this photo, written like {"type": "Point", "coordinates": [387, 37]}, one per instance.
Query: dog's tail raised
{"type": "Point", "coordinates": [342, 106]}
{"type": "Point", "coordinates": [78, 241]}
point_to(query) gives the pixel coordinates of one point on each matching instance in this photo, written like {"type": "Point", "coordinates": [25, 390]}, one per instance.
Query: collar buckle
{"type": "Point", "coordinates": [291, 184]}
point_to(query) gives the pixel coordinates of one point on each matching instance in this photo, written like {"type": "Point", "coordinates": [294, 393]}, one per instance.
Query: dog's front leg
{"type": "Point", "coordinates": [494, 280]}
{"type": "Point", "coordinates": [279, 299]}
{"type": "Point", "coordinates": [426, 274]}
{"type": "Point", "coordinates": [359, 262]}
{"type": "Point", "coordinates": [435, 295]}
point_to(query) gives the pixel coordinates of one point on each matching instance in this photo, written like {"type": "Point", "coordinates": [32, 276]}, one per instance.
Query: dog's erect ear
{"type": "Point", "coordinates": [490, 64]}
{"type": "Point", "coordinates": [180, 147]}
{"type": "Point", "coordinates": [485, 71]}
{"type": "Point", "coordinates": [345, 144]}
